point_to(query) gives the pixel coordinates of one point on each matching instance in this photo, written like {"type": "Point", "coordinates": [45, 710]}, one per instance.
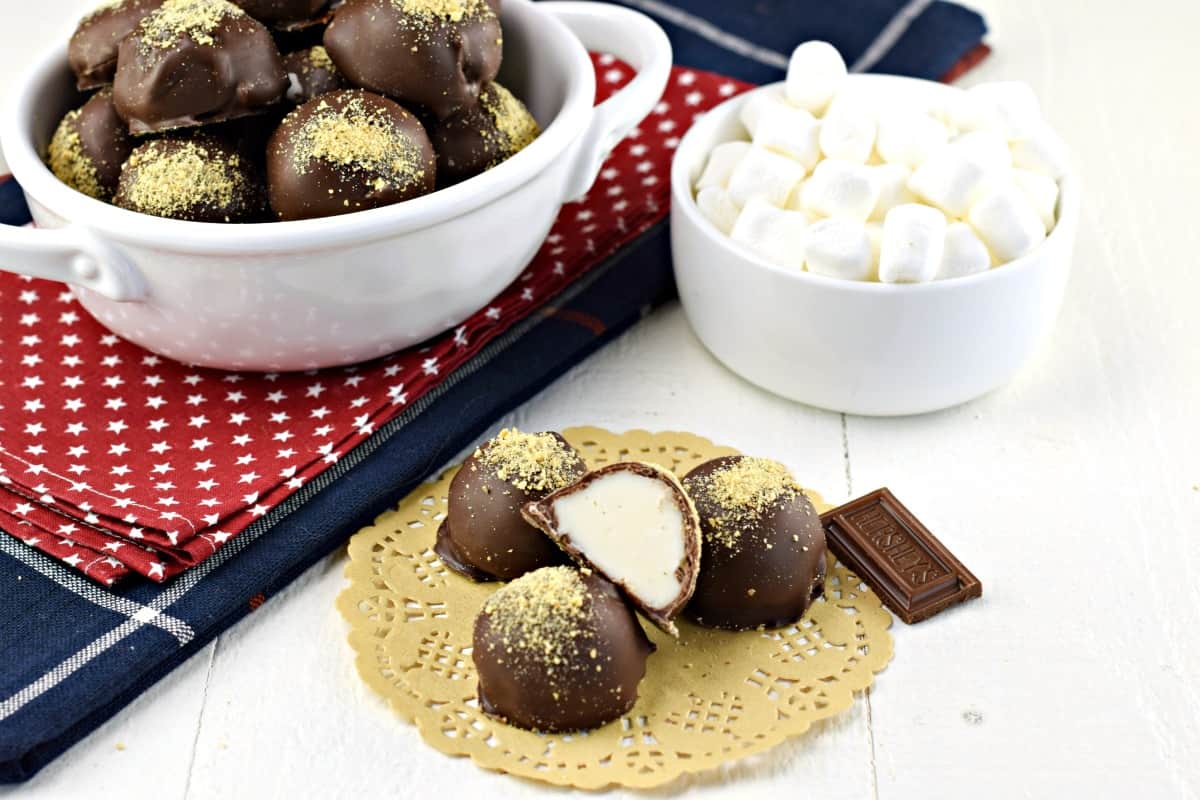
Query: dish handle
{"type": "Point", "coordinates": [634, 38]}
{"type": "Point", "coordinates": [72, 255]}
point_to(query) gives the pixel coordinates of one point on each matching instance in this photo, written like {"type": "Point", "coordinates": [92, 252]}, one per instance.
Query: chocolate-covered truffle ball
{"type": "Point", "coordinates": [558, 650]}
{"type": "Point", "coordinates": [89, 147]}
{"type": "Point", "coordinates": [92, 52]}
{"type": "Point", "coordinates": [484, 535]}
{"type": "Point", "coordinates": [763, 560]}
{"type": "Point", "coordinates": [199, 178]}
{"type": "Point", "coordinates": [275, 12]}
{"type": "Point", "coordinates": [478, 138]}
{"type": "Point", "coordinates": [192, 62]}
{"type": "Point", "coordinates": [436, 54]}
{"type": "Point", "coordinates": [311, 73]}
{"type": "Point", "coordinates": [347, 151]}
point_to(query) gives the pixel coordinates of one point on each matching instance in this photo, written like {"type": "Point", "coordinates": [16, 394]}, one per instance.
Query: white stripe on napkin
{"type": "Point", "coordinates": [890, 34]}
{"type": "Point", "coordinates": [93, 593]}
{"type": "Point", "coordinates": [704, 28]}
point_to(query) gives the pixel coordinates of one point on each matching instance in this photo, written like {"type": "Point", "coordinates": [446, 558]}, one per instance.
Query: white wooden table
{"type": "Point", "coordinates": [1074, 494]}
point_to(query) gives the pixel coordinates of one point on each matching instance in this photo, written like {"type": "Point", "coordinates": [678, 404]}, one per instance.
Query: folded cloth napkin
{"type": "Point", "coordinates": [299, 462]}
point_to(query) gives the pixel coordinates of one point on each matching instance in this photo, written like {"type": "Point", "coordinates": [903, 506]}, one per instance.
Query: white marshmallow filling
{"type": "Point", "coordinates": [632, 529]}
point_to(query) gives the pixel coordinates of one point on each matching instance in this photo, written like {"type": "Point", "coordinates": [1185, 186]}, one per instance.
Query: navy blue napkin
{"type": "Point", "coordinates": [72, 654]}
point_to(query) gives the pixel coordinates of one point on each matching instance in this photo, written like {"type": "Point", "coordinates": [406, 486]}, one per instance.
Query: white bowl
{"type": "Point", "coordinates": [326, 292]}
{"type": "Point", "coordinates": [855, 347]}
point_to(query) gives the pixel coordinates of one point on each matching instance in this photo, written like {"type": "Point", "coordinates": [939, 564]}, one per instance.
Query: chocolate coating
{"type": "Point", "coordinates": [347, 151]}
{"type": "Point", "coordinates": [480, 137]}
{"type": "Point", "coordinates": [484, 535]}
{"type": "Point", "coordinates": [192, 62]}
{"type": "Point", "coordinates": [92, 51]}
{"type": "Point", "coordinates": [311, 73]}
{"type": "Point", "coordinates": [436, 54]}
{"type": "Point", "coordinates": [196, 178]}
{"type": "Point", "coordinates": [763, 562]}
{"type": "Point", "coordinates": [558, 651]}
{"type": "Point", "coordinates": [274, 12]}
{"type": "Point", "coordinates": [89, 147]}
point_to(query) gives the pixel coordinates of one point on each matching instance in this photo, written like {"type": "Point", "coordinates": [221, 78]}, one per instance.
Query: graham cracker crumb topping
{"type": "Point", "coordinates": [513, 121]}
{"type": "Point", "coordinates": [541, 614]}
{"type": "Point", "coordinates": [531, 462]}
{"type": "Point", "coordinates": [744, 491]}
{"type": "Point", "coordinates": [174, 176]}
{"type": "Point", "coordinates": [449, 10]}
{"type": "Point", "coordinates": [360, 138]}
{"type": "Point", "coordinates": [68, 161]}
{"type": "Point", "coordinates": [198, 20]}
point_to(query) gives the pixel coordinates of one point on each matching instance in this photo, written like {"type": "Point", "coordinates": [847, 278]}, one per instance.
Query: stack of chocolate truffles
{"type": "Point", "coordinates": [242, 111]}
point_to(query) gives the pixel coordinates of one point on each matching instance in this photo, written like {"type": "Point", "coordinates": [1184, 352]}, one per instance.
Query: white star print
{"type": "Point", "coordinates": [156, 402]}
{"type": "Point", "coordinates": [205, 465]}
{"type": "Point", "coordinates": [238, 418]}
{"type": "Point", "coordinates": [155, 569]}
{"type": "Point", "coordinates": [430, 366]}
{"type": "Point", "coordinates": [201, 444]}
{"type": "Point", "coordinates": [157, 425]}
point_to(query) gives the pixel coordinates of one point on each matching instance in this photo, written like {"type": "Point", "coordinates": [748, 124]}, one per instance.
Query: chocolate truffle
{"type": "Point", "coordinates": [480, 137]}
{"type": "Point", "coordinates": [192, 62]}
{"type": "Point", "coordinates": [484, 535]}
{"type": "Point", "coordinates": [311, 72]}
{"type": "Point", "coordinates": [199, 178]}
{"type": "Point", "coordinates": [347, 151]}
{"type": "Point", "coordinates": [436, 54]}
{"type": "Point", "coordinates": [633, 524]}
{"type": "Point", "coordinates": [764, 548]}
{"type": "Point", "coordinates": [282, 12]}
{"type": "Point", "coordinates": [92, 52]}
{"type": "Point", "coordinates": [89, 147]}
{"type": "Point", "coordinates": [558, 650]}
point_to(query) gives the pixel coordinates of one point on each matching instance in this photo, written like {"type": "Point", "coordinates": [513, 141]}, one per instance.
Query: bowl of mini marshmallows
{"type": "Point", "coordinates": [873, 244]}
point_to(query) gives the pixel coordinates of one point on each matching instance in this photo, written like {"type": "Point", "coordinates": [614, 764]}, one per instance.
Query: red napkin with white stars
{"type": "Point", "coordinates": [117, 461]}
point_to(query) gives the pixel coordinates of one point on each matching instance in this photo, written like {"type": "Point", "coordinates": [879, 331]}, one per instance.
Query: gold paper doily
{"type": "Point", "coordinates": [707, 698]}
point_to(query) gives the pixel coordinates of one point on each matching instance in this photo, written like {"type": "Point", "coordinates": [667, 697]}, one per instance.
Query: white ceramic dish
{"type": "Point", "coordinates": [860, 348]}
{"type": "Point", "coordinates": [320, 293]}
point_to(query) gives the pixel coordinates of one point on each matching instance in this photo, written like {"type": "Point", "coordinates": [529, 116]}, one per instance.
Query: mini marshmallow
{"type": "Point", "coordinates": [1042, 193]}
{"type": "Point", "coordinates": [721, 162]}
{"type": "Point", "coordinates": [892, 180]}
{"type": "Point", "coordinates": [848, 133]}
{"type": "Point", "coordinates": [1042, 150]}
{"type": "Point", "coordinates": [952, 179]}
{"type": "Point", "coordinates": [964, 253]}
{"type": "Point", "coordinates": [815, 72]}
{"type": "Point", "coordinates": [1017, 112]}
{"type": "Point", "coordinates": [839, 248]}
{"type": "Point", "coordinates": [772, 233]}
{"type": "Point", "coordinates": [718, 208]}
{"type": "Point", "coordinates": [875, 236]}
{"type": "Point", "coordinates": [965, 112]}
{"type": "Point", "coordinates": [841, 189]}
{"type": "Point", "coordinates": [909, 138]}
{"type": "Point", "coordinates": [989, 148]}
{"type": "Point", "coordinates": [756, 105]}
{"type": "Point", "coordinates": [1006, 222]}
{"type": "Point", "coordinates": [914, 240]}
{"type": "Point", "coordinates": [792, 132]}
{"type": "Point", "coordinates": [762, 172]}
